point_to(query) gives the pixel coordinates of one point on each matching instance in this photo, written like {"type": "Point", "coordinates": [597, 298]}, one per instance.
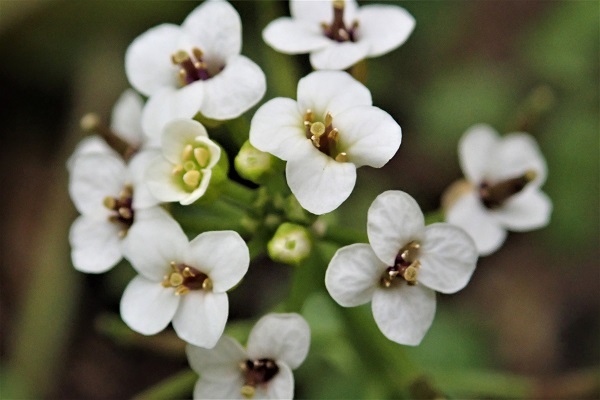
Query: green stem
{"type": "Point", "coordinates": [177, 386]}
{"type": "Point", "coordinates": [238, 194]}
{"type": "Point", "coordinates": [434, 216]}
{"type": "Point", "coordinates": [344, 236]}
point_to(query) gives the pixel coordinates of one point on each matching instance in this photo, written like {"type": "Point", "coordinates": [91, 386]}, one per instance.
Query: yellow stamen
{"type": "Point", "coordinates": [192, 178]}
{"type": "Point", "coordinates": [90, 122]}
{"type": "Point", "coordinates": [342, 157]}
{"type": "Point", "coordinates": [187, 152]}
{"type": "Point", "coordinates": [317, 129]}
{"type": "Point", "coordinates": [125, 212]}
{"type": "Point", "coordinates": [197, 53]}
{"type": "Point", "coordinates": [175, 279]}
{"type": "Point", "coordinates": [410, 274]}
{"type": "Point", "coordinates": [178, 169]}
{"type": "Point", "coordinates": [207, 284]}
{"type": "Point", "coordinates": [179, 57]}
{"type": "Point", "coordinates": [109, 202]}
{"type": "Point", "coordinates": [328, 119]}
{"type": "Point", "coordinates": [180, 290]}
{"type": "Point", "coordinates": [339, 4]}
{"type": "Point", "coordinates": [530, 175]}
{"type": "Point", "coordinates": [247, 391]}
{"type": "Point", "coordinates": [187, 273]}
{"type": "Point", "coordinates": [202, 156]}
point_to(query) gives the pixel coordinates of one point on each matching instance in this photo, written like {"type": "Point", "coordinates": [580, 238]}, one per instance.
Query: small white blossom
{"type": "Point", "coordinates": [278, 343]}
{"type": "Point", "coordinates": [181, 281]}
{"type": "Point", "coordinates": [184, 170]}
{"type": "Point", "coordinates": [326, 134]}
{"type": "Point", "coordinates": [111, 197]}
{"type": "Point", "coordinates": [399, 272]}
{"type": "Point", "coordinates": [502, 188]}
{"type": "Point", "coordinates": [338, 34]}
{"type": "Point", "coordinates": [195, 67]}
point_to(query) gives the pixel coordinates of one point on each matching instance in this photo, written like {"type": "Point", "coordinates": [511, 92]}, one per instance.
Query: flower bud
{"type": "Point", "coordinates": [291, 244]}
{"type": "Point", "coordinates": [253, 164]}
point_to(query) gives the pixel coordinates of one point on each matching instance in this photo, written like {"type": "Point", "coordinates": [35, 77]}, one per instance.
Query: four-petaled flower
{"type": "Point", "coordinates": [181, 281]}
{"type": "Point", "coordinates": [502, 187]}
{"type": "Point", "coordinates": [184, 170]}
{"type": "Point", "coordinates": [338, 34]}
{"type": "Point", "coordinates": [277, 344]}
{"type": "Point", "coordinates": [111, 197]}
{"type": "Point", "coordinates": [195, 67]}
{"type": "Point", "coordinates": [402, 252]}
{"type": "Point", "coordinates": [324, 136]}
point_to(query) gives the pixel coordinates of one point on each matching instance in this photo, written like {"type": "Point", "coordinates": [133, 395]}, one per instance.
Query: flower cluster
{"type": "Point", "coordinates": [152, 186]}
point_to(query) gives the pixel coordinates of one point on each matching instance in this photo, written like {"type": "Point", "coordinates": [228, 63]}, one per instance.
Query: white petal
{"type": "Point", "coordinates": [384, 27]}
{"type": "Point", "coordinates": [147, 307]}
{"type": "Point", "coordinates": [528, 210]}
{"type": "Point", "coordinates": [201, 317]}
{"type": "Point", "coordinates": [168, 104]}
{"type": "Point", "coordinates": [152, 243]}
{"type": "Point", "coordinates": [222, 255]}
{"type": "Point", "coordinates": [319, 183]}
{"type": "Point", "coordinates": [280, 337]}
{"type": "Point", "coordinates": [368, 135]}
{"type": "Point", "coordinates": [161, 182]}
{"type": "Point", "coordinates": [221, 363]}
{"type": "Point", "coordinates": [234, 90]}
{"type": "Point", "coordinates": [126, 119]}
{"type": "Point", "coordinates": [290, 36]}
{"type": "Point", "coordinates": [89, 145]}
{"type": "Point", "coordinates": [209, 389]}
{"type": "Point", "coordinates": [148, 59]}
{"type": "Point", "coordinates": [142, 198]}
{"type": "Point", "coordinates": [281, 386]}
{"type": "Point", "coordinates": [95, 244]}
{"type": "Point", "coordinates": [469, 214]}
{"type": "Point", "coordinates": [277, 128]}
{"type": "Point", "coordinates": [475, 150]}
{"type": "Point", "coordinates": [330, 91]}
{"type": "Point", "coordinates": [448, 258]}
{"type": "Point", "coordinates": [215, 28]}
{"type": "Point", "coordinates": [317, 11]}
{"type": "Point", "coordinates": [394, 219]}
{"type": "Point", "coordinates": [353, 275]}
{"type": "Point", "coordinates": [405, 313]}
{"type": "Point", "coordinates": [339, 56]}
{"type": "Point", "coordinates": [94, 177]}
{"type": "Point", "coordinates": [177, 134]}
{"type": "Point", "coordinates": [515, 154]}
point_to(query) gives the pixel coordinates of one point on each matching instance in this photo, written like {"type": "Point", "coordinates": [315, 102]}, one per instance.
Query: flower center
{"type": "Point", "coordinates": [405, 268]}
{"type": "Point", "coordinates": [337, 30]}
{"type": "Point", "coordinates": [185, 278]}
{"type": "Point", "coordinates": [192, 67]}
{"type": "Point", "coordinates": [257, 372]}
{"type": "Point", "coordinates": [493, 196]}
{"type": "Point", "coordinates": [193, 160]}
{"type": "Point", "coordinates": [122, 212]}
{"type": "Point", "coordinates": [324, 136]}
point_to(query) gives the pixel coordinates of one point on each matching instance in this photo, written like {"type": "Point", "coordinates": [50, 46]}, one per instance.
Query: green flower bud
{"type": "Point", "coordinates": [291, 244]}
{"type": "Point", "coordinates": [253, 164]}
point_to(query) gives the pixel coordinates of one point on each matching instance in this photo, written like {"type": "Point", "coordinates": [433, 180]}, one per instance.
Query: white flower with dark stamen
{"type": "Point", "coordinates": [402, 268]}
{"type": "Point", "coordinates": [502, 187]}
{"type": "Point", "coordinates": [330, 131]}
{"type": "Point", "coordinates": [181, 281]}
{"type": "Point", "coordinates": [111, 198]}
{"type": "Point", "coordinates": [338, 34]}
{"type": "Point", "coordinates": [194, 67]}
{"type": "Point", "coordinates": [278, 343]}
{"type": "Point", "coordinates": [184, 170]}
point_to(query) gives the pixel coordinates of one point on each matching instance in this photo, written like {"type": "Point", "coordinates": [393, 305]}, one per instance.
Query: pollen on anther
{"type": "Point", "coordinates": [109, 202]}
{"type": "Point", "coordinates": [178, 169]}
{"type": "Point", "coordinates": [247, 391]}
{"type": "Point", "coordinates": [202, 156]}
{"type": "Point", "coordinates": [342, 157]}
{"type": "Point", "coordinates": [175, 279]}
{"type": "Point", "coordinates": [317, 129]}
{"type": "Point", "coordinates": [207, 284]}
{"type": "Point", "coordinates": [187, 152]}
{"type": "Point", "coordinates": [191, 178]}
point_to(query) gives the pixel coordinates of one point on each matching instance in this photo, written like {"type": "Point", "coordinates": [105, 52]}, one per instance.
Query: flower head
{"type": "Point", "coordinates": [399, 272]}
{"type": "Point", "coordinates": [181, 281]}
{"type": "Point", "coordinates": [184, 170]}
{"type": "Point", "coordinates": [326, 134]}
{"type": "Point", "coordinates": [502, 187]}
{"type": "Point", "coordinates": [111, 198]}
{"type": "Point", "coordinates": [195, 67]}
{"type": "Point", "coordinates": [338, 34]}
{"type": "Point", "coordinates": [278, 343]}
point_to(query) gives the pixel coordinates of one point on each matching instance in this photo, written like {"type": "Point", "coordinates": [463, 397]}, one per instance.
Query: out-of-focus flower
{"type": "Point", "coordinates": [277, 344]}
{"type": "Point", "coordinates": [502, 187]}
{"type": "Point", "coordinates": [184, 170]}
{"type": "Point", "coordinates": [111, 198]}
{"type": "Point", "coordinates": [338, 34]}
{"type": "Point", "coordinates": [402, 252]}
{"type": "Point", "coordinates": [324, 136]}
{"type": "Point", "coordinates": [195, 67]}
{"type": "Point", "coordinates": [181, 281]}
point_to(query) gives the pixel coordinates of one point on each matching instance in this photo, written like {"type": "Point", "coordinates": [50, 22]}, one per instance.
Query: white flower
{"type": "Point", "coordinates": [278, 343]}
{"type": "Point", "coordinates": [111, 197]}
{"type": "Point", "coordinates": [402, 252]}
{"type": "Point", "coordinates": [181, 281]}
{"type": "Point", "coordinates": [324, 136]}
{"type": "Point", "coordinates": [502, 191]}
{"type": "Point", "coordinates": [184, 170]}
{"type": "Point", "coordinates": [194, 67]}
{"type": "Point", "coordinates": [338, 34]}
{"type": "Point", "coordinates": [125, 128]}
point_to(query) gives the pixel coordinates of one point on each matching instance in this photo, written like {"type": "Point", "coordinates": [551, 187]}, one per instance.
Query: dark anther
{"type": "Point", "coordinates": [258, 372]}
{"type": "Point", "coordinates": [493, 196]}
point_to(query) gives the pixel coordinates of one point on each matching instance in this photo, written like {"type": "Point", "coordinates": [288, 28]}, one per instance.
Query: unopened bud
{"type": "Point", "coordinates": [291, 244]}
{"type": "Point", "coordinates": [253, 164]}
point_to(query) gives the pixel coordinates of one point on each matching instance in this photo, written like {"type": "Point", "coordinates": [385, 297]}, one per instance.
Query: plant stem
{"type": "Point", "coordinates": [177, 386]}
{"type": "Point", "coordinates": [344, 236]}
{"type": "Point", "coordinates": [238, 194]}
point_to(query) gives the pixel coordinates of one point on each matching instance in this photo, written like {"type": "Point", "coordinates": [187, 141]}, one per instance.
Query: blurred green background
{"type": "Point", "coordinates": [526, 326]}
